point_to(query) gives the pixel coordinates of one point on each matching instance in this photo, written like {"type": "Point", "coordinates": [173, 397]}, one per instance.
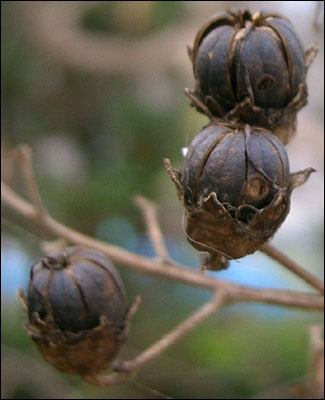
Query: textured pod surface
{"type": "Point", "coordinates": [236, 52]}
{"type": "Point", "coordinates": [76, 310]}
{"type": "Point", "coordinates": [250, 68]}
{"type": "Point", "coordinates": [241, 166]}
{"type": "Point", "coordinates": [235, 187]}
{"type": "Point", "coordinates": [78, 287]}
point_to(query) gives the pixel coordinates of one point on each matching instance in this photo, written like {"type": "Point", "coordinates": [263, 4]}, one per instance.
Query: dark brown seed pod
{"type": "Point", "coordinates": [76, 310]}
{"type": "Point", "coordinates": [235, 186]}
{"type": "Point", "coordinates": [250, 68]}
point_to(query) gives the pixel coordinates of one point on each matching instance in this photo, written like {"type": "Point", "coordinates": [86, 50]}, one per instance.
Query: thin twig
{"type": "Point", "coordinates": [19, 229]}
{"type": "Point", "coordinates": [315, 381]}
{"type": "Point", "coordinates": [291, 265]}
{"type": "Point", "coordinates": [125, 370]}
{"type": "Point", "coordinates": [149, 212]}
{"type": "Point", "coordinates": [53, 246]}
{"type": "Point", "coordinates": [134, 308]}
{"type": "Point", "coordinates": [54, 28]}
{"type": "Point", "coordinates": [177, 333]}
{"type": "Point", "coordinates": [224, 291]}
{"type": "Point", "coordinates": [311, 53]}
{"type": "Point", "coordinates": [318, 15]}
{"type": "Point", "coordinates": [24, 156]}
{"type": "Point", "coordinates": [8, 164]}
{"type": "Point", "coordinates": [145, 265]}
{"type": "Point", "coordinates": [109, 380]}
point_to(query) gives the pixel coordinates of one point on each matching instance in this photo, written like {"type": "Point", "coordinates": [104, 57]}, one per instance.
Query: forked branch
{"type": "Point", "coordinates": [126, 370]}
{"type": "Point", "coordinates": [145, 265]}
{"type": "Point", "coordinates": [292, 266]}
{"type": "Point", "coordinates": [149, 212]}
{"type": "Point", "coordinates": [161, 267]}
{"type": "Point", "coordinates": [23, 154]}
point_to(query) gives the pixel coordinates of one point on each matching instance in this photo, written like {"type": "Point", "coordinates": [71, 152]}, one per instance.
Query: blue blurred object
{"type": "Point", "coordinates": [255, 270]}
{"type": "Point", "coordinates": [119, 231]}
{"type": "Point", "coordinates": [14, 266]}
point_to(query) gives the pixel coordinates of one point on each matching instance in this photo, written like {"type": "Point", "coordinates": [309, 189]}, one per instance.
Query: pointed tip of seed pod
{"type": "Point", "coordinates": [299, 178]}
{"type": "Point", "coordinates": [213, 262]}
{"type": "Point", "coordinates": [22, 299]}
{"type": "Point", "coordinates": [168, 166]}
{"type": "Point", "coordinates": [174, 173]}
{"type": "Point", "coordinates": [187, 91]}
{"type": "Point", "coordinates": [166, 161]}
{"type": "Point", "coordinates": [190, 52]}
{"type": "Point", "coordinates": [311, 53]}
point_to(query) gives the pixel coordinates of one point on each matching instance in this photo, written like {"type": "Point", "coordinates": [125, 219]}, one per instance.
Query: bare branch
{"type": "Point", "coordinates": [109, 380]}
{"type": "Point", "coordinates": [315, 381]}
{"type": "Point", "coordinates": [54, 29]}
{"type": "Point", "coordinates": [8, 164]}
{"type": "Point", "coordinates": [134, 308]}
{"type": "Point", "coordinates": [177, 333]}
{"type": "Point", "coordinates": [293, 266]}
{"type": "Point", "coordinates": [149, 212]}
{"type": "Point", "coordinates": [145, 265]}
{"type": "Point", "coordinates": [224, 291]}
{"type": "Point", "coordinates": [318, 16]}
{"type": "Point", "coordinates": [53, 246]}
{"type": "Point", "coordinates": [125, 370]}
{"type": "Point", "coordinates": [24, 156]}
{"type": "Point", "coordinates": [311, 53]}
{"type": "Point", "coordinates": [19, 229]}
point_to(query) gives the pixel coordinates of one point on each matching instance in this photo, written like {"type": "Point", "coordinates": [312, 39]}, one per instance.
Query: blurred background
{"type": "Point", "coordinates": [96, 89]}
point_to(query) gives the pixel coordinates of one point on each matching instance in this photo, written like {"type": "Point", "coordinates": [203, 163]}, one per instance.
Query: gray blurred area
{"type": "Point", "coordinates": [96, 90]}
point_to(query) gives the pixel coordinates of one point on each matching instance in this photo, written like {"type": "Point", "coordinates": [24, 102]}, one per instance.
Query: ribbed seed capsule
{"type": "Point", "coordinates": [235, 187]}
{"type": "Point", "coordinates": [240, 166]}
{"type": "Point", "coordinates": [77, 310]}
{"type": "Point", "coordinates": [251, 68]}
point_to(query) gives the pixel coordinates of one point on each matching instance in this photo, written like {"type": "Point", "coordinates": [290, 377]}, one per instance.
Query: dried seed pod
{"type": "Point", "coordinates": [76, 310]}
{"type": "Point", "coordinates": [250, 68]}
{"type": "Point", "coordinates": [235, 186]}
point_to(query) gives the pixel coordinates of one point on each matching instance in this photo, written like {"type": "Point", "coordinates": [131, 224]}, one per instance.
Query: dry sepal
{"type": "Point", "coordinates": [235, 187]}
{"type": "Point", "coordinates": [76, 310]}
{"type": "Point", "coordinates": [251, 68]}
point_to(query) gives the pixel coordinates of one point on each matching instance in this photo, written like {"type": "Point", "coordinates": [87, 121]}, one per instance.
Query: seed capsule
{"type": "Point", "coordinates": [76, 310]}
{"type": "Point", "coordinates": [240, 166]}
{"type": "Point", "coordinates": [235, 186]}
{"type": "Point", "coordinates": [250, 68]}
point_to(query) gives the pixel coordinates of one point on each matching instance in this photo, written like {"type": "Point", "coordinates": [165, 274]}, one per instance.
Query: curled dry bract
{"type": "Point", "coordinates": [235, 187]}
{"type": "Point", "coordinates": [250, 68]}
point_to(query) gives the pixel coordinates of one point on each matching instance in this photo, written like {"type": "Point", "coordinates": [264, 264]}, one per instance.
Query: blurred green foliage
{"type": "Point", "coordinates": [104, 17]}
{"type": "Point", "coordinates": [229, 356]}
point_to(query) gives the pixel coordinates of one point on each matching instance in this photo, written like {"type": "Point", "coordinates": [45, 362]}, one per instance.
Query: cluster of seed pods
{"type": "Point", "coordinates": [235, 186]}
{"type": "Point", "coordinates": [235, 183]}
